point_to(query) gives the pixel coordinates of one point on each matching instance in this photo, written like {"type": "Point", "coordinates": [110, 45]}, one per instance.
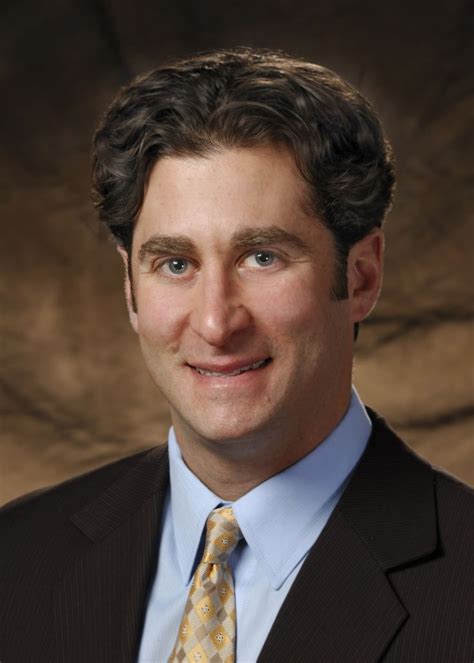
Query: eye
{"type": "Point", "coordinates": [176, 266]}
{"type": "Point", "coordinates": [262, 258]}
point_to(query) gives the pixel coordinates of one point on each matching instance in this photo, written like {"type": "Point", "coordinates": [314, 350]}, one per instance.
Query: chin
{"type": "Point", "coordinates": [225, 429]}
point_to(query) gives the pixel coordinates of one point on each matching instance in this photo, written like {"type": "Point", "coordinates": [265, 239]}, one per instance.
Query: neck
{"type": "Point", "coordinates": [231, 468]}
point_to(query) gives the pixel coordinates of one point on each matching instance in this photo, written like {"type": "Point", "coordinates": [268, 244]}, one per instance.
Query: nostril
{"type": "Point", "coordinates": [217, 324]}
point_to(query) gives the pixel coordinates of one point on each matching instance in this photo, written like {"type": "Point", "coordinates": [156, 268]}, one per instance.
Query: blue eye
{"type": "Point", "coordinates": [264, 258]}
{"type": "Point", "coordinates": [177, 265]}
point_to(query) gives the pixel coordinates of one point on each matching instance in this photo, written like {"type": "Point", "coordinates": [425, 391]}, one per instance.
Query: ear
{"type": "Point", "coordinates": [364, 274]}
{"type": "Point", "coordinates": [132, 314]}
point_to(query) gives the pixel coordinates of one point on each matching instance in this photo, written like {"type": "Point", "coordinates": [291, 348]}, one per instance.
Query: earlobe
{"type": "Point", "coordinates": [365, 270]}
{"type": "Point", "coordinates": [132, 314]}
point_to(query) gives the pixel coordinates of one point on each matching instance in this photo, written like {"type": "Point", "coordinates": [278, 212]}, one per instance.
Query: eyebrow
{"type": "Point", "coordinates": [256, 237]}
{"type": "Point", "coordinates": [251, 237]}
{"type": "Point", "coordinates": [166, 244]}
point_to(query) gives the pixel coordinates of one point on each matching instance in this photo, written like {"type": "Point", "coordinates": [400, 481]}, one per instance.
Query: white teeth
{"type": "Point", "coordinates": [238, 371]}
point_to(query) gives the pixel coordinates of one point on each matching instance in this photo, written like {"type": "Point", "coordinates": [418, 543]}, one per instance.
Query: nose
{"type": "Point", "coordinates": [218, 311]}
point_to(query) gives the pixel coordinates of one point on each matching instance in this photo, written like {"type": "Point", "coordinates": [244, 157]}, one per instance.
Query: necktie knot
{"type": "Point", "coordinates": [207, 629]}
{"type": "Point", "coordinates": [222, 535]}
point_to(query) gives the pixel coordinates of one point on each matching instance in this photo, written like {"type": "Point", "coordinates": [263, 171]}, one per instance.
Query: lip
{"type": "Point", "coordinates": [229, 366]}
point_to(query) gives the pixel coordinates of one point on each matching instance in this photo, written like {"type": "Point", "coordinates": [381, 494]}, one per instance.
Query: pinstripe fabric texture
{"type": "Point", "coordinates": [391, 577]}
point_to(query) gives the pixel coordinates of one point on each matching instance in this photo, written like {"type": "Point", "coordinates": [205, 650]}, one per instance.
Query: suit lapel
{"type": "Point", "coordinates": [341, 606]}
{"type": "Point", "coordinates": [99, 604]}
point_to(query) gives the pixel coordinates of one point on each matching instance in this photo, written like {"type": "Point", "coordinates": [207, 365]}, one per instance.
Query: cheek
{"type": "Point", "coordinates": [295, 308]}
{"type": "Point", "coordinates": [295, 315]}
{"type": "Point", "coordinates": [160, 318]}
{"type": "Point", "coordinates": [304, 322]}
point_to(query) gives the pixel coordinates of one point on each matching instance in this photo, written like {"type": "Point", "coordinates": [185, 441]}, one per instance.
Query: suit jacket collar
{"type": "Point", "coordinates": [125, 496]}
{"type": "Point", "coordinates": [341, 606]}
{"type": "Point", "coordinates": [98, 607]}
{"type": "Point", "coordinates": [390, 501]}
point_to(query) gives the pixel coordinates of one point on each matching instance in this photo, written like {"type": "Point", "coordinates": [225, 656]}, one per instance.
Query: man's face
{"type": "Point", "coordinates": [232, 283]}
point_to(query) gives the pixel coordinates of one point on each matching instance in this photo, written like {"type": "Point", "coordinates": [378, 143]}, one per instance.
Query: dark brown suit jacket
{"type": "Point", "coordinates": [389, 579]}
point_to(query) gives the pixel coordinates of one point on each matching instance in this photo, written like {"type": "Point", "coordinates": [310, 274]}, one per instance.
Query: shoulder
{"type": "Point", "coordinates": [48, 507]}
{"type": "Point", "coordinates": [426, 517]}
{"type": "Point", "coordinates": [451, 489]}
{"type": "Point", "coordinates": [43, 536]}
{"type": "Point", "coordinates": [42, 533]}
{"type": "Point", "coordinates": [417, 486]}
{"type": "Point", "coordinates": [447, 484]}
{"type": "Point", "coordinates": [455, 506]}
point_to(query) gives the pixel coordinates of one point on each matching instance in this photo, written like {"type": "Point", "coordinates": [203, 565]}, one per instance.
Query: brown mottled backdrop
{"type": "Point", "coordinates": [74, 392]}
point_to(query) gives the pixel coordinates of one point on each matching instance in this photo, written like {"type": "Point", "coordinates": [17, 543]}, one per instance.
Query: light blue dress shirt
{"type": "Point", "coordinates": [280, 520]}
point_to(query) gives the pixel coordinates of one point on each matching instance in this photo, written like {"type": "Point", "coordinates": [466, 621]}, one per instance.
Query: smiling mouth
{"type": "Point", "coordinates": [222, 374]}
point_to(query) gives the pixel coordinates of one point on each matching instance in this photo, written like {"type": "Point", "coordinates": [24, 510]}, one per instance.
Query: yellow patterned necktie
{"type": "Point", "coordinates": [207, 630]}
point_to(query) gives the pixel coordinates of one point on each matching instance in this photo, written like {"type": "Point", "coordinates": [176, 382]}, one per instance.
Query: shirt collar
{"type": "Point", "coordinates": [191, 503]}
{"type": "Point", "coordinates": [281, 518]}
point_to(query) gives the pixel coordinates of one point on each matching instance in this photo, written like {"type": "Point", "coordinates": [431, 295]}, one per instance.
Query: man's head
{"type": "Point", "coordinates": [246, 191]}
{"type": "Point", "coordinates": [249, 98]}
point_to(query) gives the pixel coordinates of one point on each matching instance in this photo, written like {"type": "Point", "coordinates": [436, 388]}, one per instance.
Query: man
{"type": "Point", "coordinates": [283, 521]}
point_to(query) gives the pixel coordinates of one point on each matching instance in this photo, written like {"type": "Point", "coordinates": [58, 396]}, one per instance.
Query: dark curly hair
{"type": "Point", "coordinates": [246, 98]}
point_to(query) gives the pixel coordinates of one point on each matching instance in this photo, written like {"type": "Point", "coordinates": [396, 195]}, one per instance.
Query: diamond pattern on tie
{"type": "Point", "coordinates": [207, 630]}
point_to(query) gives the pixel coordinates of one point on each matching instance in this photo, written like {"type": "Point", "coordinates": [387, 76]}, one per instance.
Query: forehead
{"type": "Point", "coordinates": [223, 191]}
